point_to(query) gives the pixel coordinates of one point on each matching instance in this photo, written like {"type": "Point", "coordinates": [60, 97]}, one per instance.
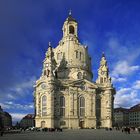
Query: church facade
{"type": "Point", "coordinates": [65, 95]}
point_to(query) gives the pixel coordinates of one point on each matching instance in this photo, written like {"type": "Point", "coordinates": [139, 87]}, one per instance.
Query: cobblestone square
{"type": "Point", "coordinates": [73, 135]}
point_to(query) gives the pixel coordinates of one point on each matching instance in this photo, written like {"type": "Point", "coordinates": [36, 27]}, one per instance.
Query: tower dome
{"type": "Point", "coordinates": [69, 27]}
{"type": "Point", "coordinates": [71, 54]}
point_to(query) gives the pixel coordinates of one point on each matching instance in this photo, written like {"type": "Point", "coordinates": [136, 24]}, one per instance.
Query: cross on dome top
{"type": "Point", "coordinates": [49, 44]}
{"type": "Point", "coordinates": [70, 12]}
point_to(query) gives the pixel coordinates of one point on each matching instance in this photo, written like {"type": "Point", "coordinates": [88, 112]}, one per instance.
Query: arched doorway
{"type": "Point", "coordinates": [43, 124]}
{"type": "Point", "coordinates": [81, 124]}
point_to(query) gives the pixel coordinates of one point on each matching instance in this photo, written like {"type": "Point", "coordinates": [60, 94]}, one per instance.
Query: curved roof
{"type": "Point", "coordinates": [70, 18]}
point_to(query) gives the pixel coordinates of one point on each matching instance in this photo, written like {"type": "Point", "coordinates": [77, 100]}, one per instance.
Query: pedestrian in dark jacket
{"type": "Point", "coordinates": [1, 131]}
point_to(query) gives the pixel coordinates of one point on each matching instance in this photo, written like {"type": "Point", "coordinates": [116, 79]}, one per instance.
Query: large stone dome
{"type": "Point", "coordinates": [72, 58]}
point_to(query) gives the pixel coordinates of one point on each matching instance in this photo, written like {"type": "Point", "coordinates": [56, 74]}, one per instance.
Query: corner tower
{"type": "Point", "coordinates": [103, 72]}
{"type": "Point", "coordinates": [105, 101]}
{"type": "Point", "coordinates": [44, 92]}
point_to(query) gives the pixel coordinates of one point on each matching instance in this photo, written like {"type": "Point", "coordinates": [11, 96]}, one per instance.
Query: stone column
{"type": "Point", "coordinates": [109, 108]}
{"type": "Point", "coordinates": [75, 105]}
{"type": "Point", "coordinates": [50, 106]}
{"type": "Point", "coordinates": [94, 105]}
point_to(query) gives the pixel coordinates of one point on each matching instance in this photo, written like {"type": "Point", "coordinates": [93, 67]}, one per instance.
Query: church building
{"type": "Point", "coordinates": [65, 95]}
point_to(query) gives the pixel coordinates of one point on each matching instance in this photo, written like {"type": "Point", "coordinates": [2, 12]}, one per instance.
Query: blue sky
{"type": "Point", "coordinates": [26, 27]}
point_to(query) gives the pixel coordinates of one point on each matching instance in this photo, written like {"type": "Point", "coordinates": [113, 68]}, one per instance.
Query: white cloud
{"type": "Point", "coordinates": [123, 68]}
{"type": "Point", "coordinates": [113, 43]}
{"type": "Point", "coordinates": [118, 79]}
{"type": "Point", "coordinates": [20, 107]}
{"type": "Point", "coordinates": [4, 106]}
{"type": "Point", "coordinates": [136, 85]}
{"type": "Point", "coordinates": [24, 85]}
{"type": "Point", "coordinates": [121, 49]}
{"type": "Point", "coordinates": [17, 91]}
{"type": "Point", "coordinates": [123, 90]}
{"type": "Point", "coordinates": [123, 58]}
{"type": "Point", "coordinates": [11, 96]}
{"type": "Point", "coordinates": [17, 116]}
{"type": "Point", "coordinates": [12, 105]}
{"type": "Point", "coordinates": [126, 97]}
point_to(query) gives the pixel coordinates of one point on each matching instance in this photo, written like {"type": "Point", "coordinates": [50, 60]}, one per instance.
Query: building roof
{"type": "Point", "coordinates": [120, 109]}
{"type": "Point", "coordinates": [70, 18]}
{"type": "Point", "coordinates": [135, 108]}
{"type": "Point", "coordinates": [1, 108]}
{"type": "Point", "coordinates": [7, 114]}
{"type": "Point", "coordinates": [29, 116]}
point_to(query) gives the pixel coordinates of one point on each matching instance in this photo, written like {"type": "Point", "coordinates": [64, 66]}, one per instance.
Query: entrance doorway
{"type": "Point", "coordinates": [81, 124]}
{"type": "Point", "coordinates": [43, 124]}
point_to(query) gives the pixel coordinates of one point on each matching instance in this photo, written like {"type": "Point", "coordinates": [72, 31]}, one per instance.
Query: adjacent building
{"type": "Point", "coordinates": [134, 116]}
{"type": "Point", "coordinates": [121, 117]}
{"type": "Point", "coordinates": [127, 117]}
{"type": "Point", "coordinates": [27, 121]}
{"type": "Point", "coordinates": [1, 117]}
{"type": "Point", "coordinates": [5, 119]}
{"type": "Point", "coordinates": [65, 95]}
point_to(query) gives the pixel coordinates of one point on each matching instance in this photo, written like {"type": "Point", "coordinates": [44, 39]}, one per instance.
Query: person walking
{"type": "Point", "coordinates": [139, 130]}
{"type": "Point", "coordinates": [1, 132]}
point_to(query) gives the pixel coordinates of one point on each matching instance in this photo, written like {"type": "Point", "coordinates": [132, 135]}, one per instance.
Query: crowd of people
{"type": "Point", "coordinates": [128, 130]}
{"type": "Point", "coordinates": [1, 131]}
{"type": "Point", "coordinates": [29, 129]}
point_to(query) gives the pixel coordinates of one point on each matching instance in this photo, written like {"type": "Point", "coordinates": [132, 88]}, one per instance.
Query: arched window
{"type": "Point", "coordinates": [80, 55]}
{"type": "Point", "coordinates": [62, 106]}
{"type": "Point", "coordinates": [79, 75]}
{"type": "Point", "coordinates": [101, 80]}
{"type": "Point", "coordinates": [71, 29]}
{"type": "Point", "coordinates": [44, 72]}
{"type": "Point", "coordinates": [76, 54]}
{"type": "Point", "coordinates": [84, 75]}
{"type": "Point", "coordinates": [105, 80]}
{"type": "Point", "coordinates": [44, 105]}
{"type": "Point", "coordinates": [59, 56]}
{"type": "Point", "coordinates": [81, 106]}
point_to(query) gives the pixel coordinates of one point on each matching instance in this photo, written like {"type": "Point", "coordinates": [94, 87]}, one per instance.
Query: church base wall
{"type": "Point", "coordinates": [106, 123]}
{"type": "Point", "coordinates": [67, 123]}
{"type": "Point", "coordinates": [44, 122]}
{"type": "Point", "coordinates": [90, 123]}
{"type": "Point", "coordinates": [73, 123]}
{"type": "Point", "coordinates": [76, 123]}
